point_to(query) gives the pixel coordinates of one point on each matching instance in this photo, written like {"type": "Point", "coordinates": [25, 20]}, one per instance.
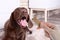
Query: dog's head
{"type": "Point", "coordinates": [20, 15]}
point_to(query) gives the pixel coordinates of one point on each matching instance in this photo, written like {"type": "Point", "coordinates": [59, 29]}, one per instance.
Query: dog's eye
{"type": "Point", "coordinates": [23, 18]}
{"type": "Point", "coordinates": [25, 12]}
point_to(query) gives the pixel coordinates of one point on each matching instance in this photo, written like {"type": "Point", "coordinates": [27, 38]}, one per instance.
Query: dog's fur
{"type": "Point", "coordinates": [39, 30]}
{"type": "Point", "coordinates": [14, 31]}
{"type": "Point", "coordinates": [41, 27]}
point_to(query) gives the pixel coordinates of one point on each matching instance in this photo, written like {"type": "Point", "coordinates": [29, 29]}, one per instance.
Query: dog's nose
{"type": "Point", "coordinates": [30, 32]}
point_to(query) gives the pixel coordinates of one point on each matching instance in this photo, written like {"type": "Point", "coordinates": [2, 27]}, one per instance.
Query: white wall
{"type": "Point", "coordinates": [6, 7]}
{"type": "Point", "coordinates": [44, 3]}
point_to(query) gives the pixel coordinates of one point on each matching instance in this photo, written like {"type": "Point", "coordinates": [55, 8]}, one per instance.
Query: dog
{"type": "Point", "coordinates": [40, 30]}
{"type": "Point", "coordinates": [17, 25]}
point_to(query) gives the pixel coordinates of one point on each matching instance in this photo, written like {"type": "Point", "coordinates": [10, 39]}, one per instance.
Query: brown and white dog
{"type": "Point", "coordinates": [15, 28]}
{"type": "Point", "coordinates": [39, 30]}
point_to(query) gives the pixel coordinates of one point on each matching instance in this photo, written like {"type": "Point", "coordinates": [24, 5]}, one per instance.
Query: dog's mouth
{"type": "Point", "coordinates": [23, 18]}
{"type": "Point", "coordinates": [22, 22]}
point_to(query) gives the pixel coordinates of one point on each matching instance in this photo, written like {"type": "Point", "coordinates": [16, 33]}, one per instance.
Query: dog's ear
{"type": "Point", "coordinates": [11, 17]}
{"type": "Point", "coordinates": [28, 18]}
{"type": "Point", "coordinates": [30, 24]}
{"type": "Point", "coordinates": [12, 21]}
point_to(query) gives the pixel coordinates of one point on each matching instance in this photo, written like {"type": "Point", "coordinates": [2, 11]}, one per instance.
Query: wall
{"type": "Point", "coordinates": [6, 8]}
{"type": "Point", "coordinates": [44, 3]}
{"type": "Point", "coordinates": [24, 3]}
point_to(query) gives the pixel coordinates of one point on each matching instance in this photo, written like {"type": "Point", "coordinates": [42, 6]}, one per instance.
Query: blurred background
{"type": "Point", "coordinates": [36, 7]}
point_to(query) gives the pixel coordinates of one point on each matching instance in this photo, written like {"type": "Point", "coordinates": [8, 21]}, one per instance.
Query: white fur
{"type": "Point", "coordinates": [37, 34]}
